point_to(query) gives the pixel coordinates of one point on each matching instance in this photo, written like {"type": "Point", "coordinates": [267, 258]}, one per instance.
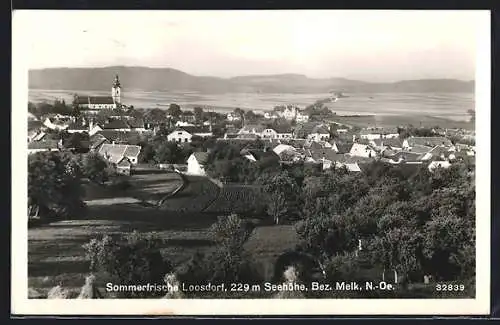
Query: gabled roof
{"type": "Point", "coordinates": [328, 154]}
{"type": "Point", "coordinates": [96, 140]}
{"type": "Point", "coordinates": [257, 128]}
{"type": "Point", "coordinates": [47, 144]}
{"type": "Point", "coordinates": [77, 126]}
{"type": "Point", "coordinates": [100, 100]}
{"type": "Point", "coordinates": [124, 162]}
{"type": "Point", "coordinates": [115, 152]}
{"type": "Point", "coordinates": [407, 156]}
{"type": "Point", "coordinates": [344, 147]}
{"type": "Point", "coordinates": [201, 157]}
{"type": "Point", "coordinates": [120, 137]}
{"type": "Point", "coordinates": [116, 125]}
{"type": "Point", "coordinates": [392, 142]}
{"type": "Point", "coordinates": [420, 149]}
{"type": "Point", "coordinates": [428, 141]}
{"type": "Point", "coordinates": [304, 129]}
{"type": "Point", "coordinates": [282, 147]}
{"type": "Point", "coordinates": [280, 128]}
{"type": "Point", "coordinates": [195, 129]}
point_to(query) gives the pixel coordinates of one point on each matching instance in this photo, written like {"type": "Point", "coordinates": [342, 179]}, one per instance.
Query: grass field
{"type": "Point", "coordinates": [56, 255]}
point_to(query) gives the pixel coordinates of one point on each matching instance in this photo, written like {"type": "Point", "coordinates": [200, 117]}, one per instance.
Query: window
{"type": "Point", "coordinates": [185, 139]}
{"type": "Point", "coordinates": [179, 133]}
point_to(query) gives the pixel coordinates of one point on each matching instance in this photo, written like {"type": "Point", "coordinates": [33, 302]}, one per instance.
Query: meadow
{"type": "Point", "coordinates": [56, 255]}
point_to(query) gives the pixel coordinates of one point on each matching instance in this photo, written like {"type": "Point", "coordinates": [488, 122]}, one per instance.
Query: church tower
{"type": "Point", "coordinates": [116, 92]}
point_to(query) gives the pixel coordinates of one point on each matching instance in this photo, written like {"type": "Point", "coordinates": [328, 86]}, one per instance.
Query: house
{"type": "Point", "coordinates": [260, 155]}
{"type": "Point", "coordinates": [302, 130]}
{"type": "Point", "coordinates": [124, 166]}
{"type": "Point", "coordinates": [53, 124]}
{"type": "Point", "coordinates": [77, 127]}
{"type": "Point", "coordinates": [438, 164]}
{"type": "Point", "coordinates": [252, 129]}
{"type": "Point", "coordinates": [93, 104]}
{"type": "Point", "coordinates": [36, 135]}
{"type": "Point", "coordinates": [196, 163]}
{"type": "Point", "coordinates": [94, 128]}
{"type": "Point", "coordinates": [114, 153]}
{"type": "Point", "coordinates": [378, 133]}
{"type": "Point", "coordinates": [188, 116]}
{"type": "Point", "coordinates": [41, 146]}
{"type": "Point", "coordinates": [182, 124]}
{"type": "Point", "coordinates": [203, 132]}
{"type": "Point", "coordinates": [180, 135]}
{"type": "Point", "coordinates": [426, 141]}
{"type": "Point", "coordinates": [117, 125]}
{"type": "Point", "coordinates": [271, 115]}
{"type": "Point", "coordinates": [277, 132]}
{"type": "Point", "coordinates": [343, 147]}
{"type": "Point", "coordinates": [362, 150]}
{"type": "Point", "coordinates": [233, 117]}
{"type": "Point", "coordinates": [319, 133]}
{"type": "Point", "coordinates": [436, 153]}
{"type": "Point", "coordinates": [120, 137]}
{"type": "Point", "coordinates": [96, 141]}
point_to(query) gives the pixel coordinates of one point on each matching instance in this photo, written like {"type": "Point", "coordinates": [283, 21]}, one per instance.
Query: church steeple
{"type": "Point", "coordinates": [116, 92]}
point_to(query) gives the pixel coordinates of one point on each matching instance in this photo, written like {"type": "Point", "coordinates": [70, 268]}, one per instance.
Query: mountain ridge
{"type": "Point", "coordinates": [164, 79]}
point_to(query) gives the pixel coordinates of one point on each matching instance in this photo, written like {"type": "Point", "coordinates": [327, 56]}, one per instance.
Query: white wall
{"type": "Point", "coordinates": [194, 167]}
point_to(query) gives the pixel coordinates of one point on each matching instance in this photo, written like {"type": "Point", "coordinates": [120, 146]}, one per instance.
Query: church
{"type": "Point", "coordinates": [96, 103]}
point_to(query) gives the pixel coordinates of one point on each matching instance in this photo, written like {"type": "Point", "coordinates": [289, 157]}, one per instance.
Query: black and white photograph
{"type": "Point", "coordinates": [251, 162]}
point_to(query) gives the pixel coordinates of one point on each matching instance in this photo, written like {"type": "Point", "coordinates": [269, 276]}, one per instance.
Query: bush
{"type": "Point", "coordinates": [132, 260]}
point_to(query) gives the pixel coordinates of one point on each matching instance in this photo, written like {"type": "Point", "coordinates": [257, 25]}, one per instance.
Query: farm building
{"type": "Point", "coordinates": [117, 125]}
{"type": "Point", "coordinates": [40, 146]}
{"type": "Point", "coordinates": [97, 140]}
{"type": "Point", "coordinates": [196, 163]}
{"type": "Point", "coordinates": [378, 133]}
{"type": "Point", "coordinates": [114, 153]}
{"type": "Point", "coordinates": [124, 166]}
{"type": "Point", "coordinates": [179, 135]}
{"type": "Point", "coordinates": [252, 129]}
{"type": "Point", "coordinates": [54, 124]}
{"type": "Point", "coordinates": [277, 132]}
{"type": "Point", "coordinates": [411, 142]}
{"type": "Point", "coordinates": [77, 128]}
{"type": "Point", "coordinates": [319, 133]}
{"type": "Point", "coordinates": [362, 150]}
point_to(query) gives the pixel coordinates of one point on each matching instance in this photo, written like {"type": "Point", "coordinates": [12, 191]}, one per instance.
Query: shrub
{"type": "Point", "coordinates": [134, 259]}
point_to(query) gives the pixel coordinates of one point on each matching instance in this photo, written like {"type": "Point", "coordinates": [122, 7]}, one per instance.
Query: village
{"type": "Point", "coordinates": [287, 131]}
{"type": "Point", "coordinates": [264, 182]}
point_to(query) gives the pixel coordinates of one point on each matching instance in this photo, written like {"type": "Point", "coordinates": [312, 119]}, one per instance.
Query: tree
{"type": "Point", "coordinates": [282, 195]}
{"type": "Point", "coordinates": [75, 106]}
{"type": "Point", "coordinates": [167, 152]}
{"type": "Point", "coordinates": [96, 168]}
{"type": "Point", "coordinates": [156, 116]}
{"type": "Point", "coordinates": [54, 186]}
{"type": "Point", "coordinates": [134, 259]}
{"type": "Point", "coordinates": [174, 110]}
{"type": "Point", "coordinates": [198, 114]}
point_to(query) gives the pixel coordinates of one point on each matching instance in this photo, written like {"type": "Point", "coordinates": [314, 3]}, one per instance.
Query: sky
{"type": "Point", "coordinates": [364, 45]}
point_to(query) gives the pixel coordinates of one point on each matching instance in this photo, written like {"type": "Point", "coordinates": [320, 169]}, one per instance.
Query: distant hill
{"type": "Point", "coordinates": [162, 79]}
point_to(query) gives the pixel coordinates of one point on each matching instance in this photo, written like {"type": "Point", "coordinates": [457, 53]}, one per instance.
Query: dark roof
{"type": "Point", "coordinates": [101, 100]}
{"type": "Point", "coordinates": [328, 154]}
{"type": "Point", "coordinates": [303, 129]}
{"type": "Point", "coordinates": [195, 129]}
{"type": "Point", "coordinates": [46, 144]}
{"type": "Point", "coordinates": [281, 128]}
{"type": "Point", "coordinates": [115, 125]}
{"type": "Point", "coordinates": [77, 126]}
{"type": "Point", "coordinates": [124, 162]}
{"type": "Point", "coordinates": [34, 124]}
{"type": "Point", "coordinates": [201, 157]}
{"type": "Point", "coordinates": [344, 147]}
{"type": "Point", "coordinates": [120, 137]}
{"type": "Point", "coordinates": [428, 141]}
{"type": "Point", "coordinates": [393, 142]}
{"type": "Point", "coordinates": [96, 140]}
{"type": "Point", "coordinates": [135, 123]}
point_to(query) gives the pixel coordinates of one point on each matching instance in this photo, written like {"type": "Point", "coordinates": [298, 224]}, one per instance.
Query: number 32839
{"type": "Point", "coordinates": [450, 287]}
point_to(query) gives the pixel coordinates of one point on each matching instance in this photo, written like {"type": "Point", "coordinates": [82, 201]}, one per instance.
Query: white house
{"type": "Point", "coordinates": [179, 135]}
{"type": "Point", "coordinates": [233, 117]}
{"type": "Point", "coordinates": [93, 129]}
{"type": "Point", "coordinates": [270, 115]}
{"type": "Point", "coordinates": [53, 125]}
{"type": "Point", "coordinates": [252, 129]}
{"type": "Point", "coordinates": [319, 133]}
{"type": "Point", "coordinates": [378, 133]}
{"type": "Point", "coordinates": [438, 164]}
{"type": "Point", "coordinates": [362, 150]}
{"type": "Point", "coordinates": [181, 124]}
{"type": "Point", "coordinates": [114, 153]}
{"type": "Point", "coordinates": [196, 163]}
{"type": "Point", "coordinates": [426, 141]}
